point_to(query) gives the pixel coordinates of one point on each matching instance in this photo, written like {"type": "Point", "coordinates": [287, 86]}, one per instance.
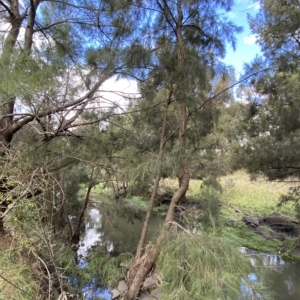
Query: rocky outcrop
{"type": "Point", "coordinates": [280, 226]}
{"type": "Point", "coordinates": [231, 223]}
{"type": "Point", "coordinates": [251, 221]}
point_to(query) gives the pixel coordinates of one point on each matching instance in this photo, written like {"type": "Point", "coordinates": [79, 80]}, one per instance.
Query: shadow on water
{"type": "Point", "coordinates": [121, 235]}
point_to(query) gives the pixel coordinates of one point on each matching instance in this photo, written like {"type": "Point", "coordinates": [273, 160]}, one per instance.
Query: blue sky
{"type": "Point", "coordinates": [113, 89]}
{"type": "Point", "coordinates": [246, 47]}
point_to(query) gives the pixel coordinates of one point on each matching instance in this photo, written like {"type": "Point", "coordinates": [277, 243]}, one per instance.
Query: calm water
{"type": "Point", "coordinates": [281, 278]}
{"type": "Point", "coordinates": [118, 233]}
{"type": "Point", "coordinates": [121, 235]}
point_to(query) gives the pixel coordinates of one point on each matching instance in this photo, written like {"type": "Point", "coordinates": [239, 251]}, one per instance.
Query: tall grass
{"type": "Point", "coordinates": [201, 266]}
{"type": "Point", "coordinates": [16, 281]}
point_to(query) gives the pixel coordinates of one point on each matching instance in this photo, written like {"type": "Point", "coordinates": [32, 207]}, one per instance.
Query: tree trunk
{"type": "Point", "coordinates": [183, 198]}
{"type": "Point", "coordinates": [141, 267]}
{"type": "Point", "coordinates": [76, 231]}
{"type": "Point", "coordinates": [6, 123]}
{"type": "Point", "coordinates": [7, 108]}
{"type": "Point", "coordinates": [157, 178]}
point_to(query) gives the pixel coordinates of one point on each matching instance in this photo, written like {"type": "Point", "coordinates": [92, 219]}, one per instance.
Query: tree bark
{"type": "Point", "coordinates": [141, 267]}
{"type": "Point", "coordinates": [157, 178]}
{"type": "Point", "coordinates": [6, 122]}
{"type": "Point", "coordinates": [76, 231]}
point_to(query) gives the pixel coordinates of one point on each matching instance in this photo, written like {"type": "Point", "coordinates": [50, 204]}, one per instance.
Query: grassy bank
{"type": "Point", "coordinates": [259, 197]}
{"type": "Point", "coordinates": [241, 196]}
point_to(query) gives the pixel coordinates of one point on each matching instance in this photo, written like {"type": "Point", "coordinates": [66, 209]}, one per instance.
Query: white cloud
{"type": "Point", "coordinates": [116, 93]}
{"type": "Point", "coordinates": [250, 39]}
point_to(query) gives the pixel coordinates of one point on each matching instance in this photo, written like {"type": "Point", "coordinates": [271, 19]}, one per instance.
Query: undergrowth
{"type": "Point", "coordinates": [16, 281]}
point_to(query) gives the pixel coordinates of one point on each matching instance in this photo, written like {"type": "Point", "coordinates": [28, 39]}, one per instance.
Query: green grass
{"type": "Point", "coordinates": [256, 198]}
{"type": "Point", "coordinates": [241, 196]}
{"type": "Point", "coordinates": [172, 184]}
{"type": "Point", "coordinates": [16, 281]}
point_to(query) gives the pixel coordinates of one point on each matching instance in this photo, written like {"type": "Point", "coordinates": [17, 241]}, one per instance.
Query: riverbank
{"type": "Point", "coordinates": [229, 205]}
{"type": "Point", "coordinates": [216, 208]}
{"type": "Point", "coordinates": [243, 212]}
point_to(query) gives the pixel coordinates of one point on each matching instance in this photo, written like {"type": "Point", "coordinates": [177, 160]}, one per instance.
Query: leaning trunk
{"type": "Point", "coordinates": [76, 231]}
{"type": "Point", "coordinates": [8, 102]}
{"type": "Point", "coordinates": [163, 141]}
{"type": "Point", "coordinates": [142, 266]}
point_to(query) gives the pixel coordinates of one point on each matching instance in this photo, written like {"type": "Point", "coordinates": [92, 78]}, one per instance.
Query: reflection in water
{"type": "Point", "coordinates": [90, 237]}
{"type": "Point", "coordinates": [117, 232]}
{"type": "Point", "coordinates": [281, 278]}
{"type": "Point", "coordinates": [121, 235]}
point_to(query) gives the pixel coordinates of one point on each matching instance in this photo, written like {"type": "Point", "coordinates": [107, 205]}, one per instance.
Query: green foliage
{"type": "Point", "coordinates": [269, 136]}
{"type": "Point", "coordinates": [209, 200]}
{"type": "Point", "coordinates": [134, 207]}
{"type": "Point", "coordinates": [200, 266]}
{"type": "Point", "coordinates": [136, 203]}
{"type": "Point", "coordinates": [78, 276]}
{"type": "Point", "coordinates": [99, 189]}
{"type": "Point", "coordinates": [292, 196]}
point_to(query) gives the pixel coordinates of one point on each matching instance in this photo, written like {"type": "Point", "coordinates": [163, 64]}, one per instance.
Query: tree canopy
{"type": "Point", "coordinates": [271, 132]}
{"type": "Point", "coordinates": [59, 138]}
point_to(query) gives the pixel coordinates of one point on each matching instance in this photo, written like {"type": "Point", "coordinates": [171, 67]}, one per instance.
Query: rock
{"type": "Point", "coordinates": [253, 221]}
{"type": "Point", "coordinates": [278, 236]}
{"type": "Point", "coordinates": [282, 250]}
{"type": "Point", "coordinates": [281, 224]}
{"type": "Point", "coordinates": [230, 223]}
{"type": "Point", "coordinates": [75, 247]}
{"type": "Point", "coordinates": [115, 294]}
{"type": "Point", "coordinates": [122, 286]}
{"type": "Point", "coordinates": [151, 281]}
{"type": "Point", "coordinates": [274, 218]}
{"type": "Point", "coordinates": [288, 228]}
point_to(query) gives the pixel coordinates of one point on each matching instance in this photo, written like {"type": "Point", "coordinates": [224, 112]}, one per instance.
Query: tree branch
{"type": "Point", "coordinates": [17, 126]}
{"type": "Point", "coordinates": [6, 8]}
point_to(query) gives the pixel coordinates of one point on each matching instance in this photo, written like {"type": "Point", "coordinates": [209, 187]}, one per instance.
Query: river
{"type": "Point", "coordinates": [120, 235]}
